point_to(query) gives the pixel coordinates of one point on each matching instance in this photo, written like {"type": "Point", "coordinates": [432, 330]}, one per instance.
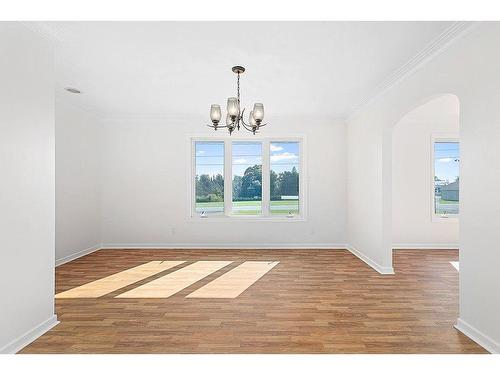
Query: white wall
{"type": "Point", "coordinates": [77, 181]}
{"type": "Point", "coordinates": [27, 188]}
{"type": "Point", "coordinates": [364, 193]}
{"type": "Point", "coordinates": [145, 190]}
{"type": "Point", "coordinates": [468, 69]}
{"type": "Point", "coordinates": [412, 223]}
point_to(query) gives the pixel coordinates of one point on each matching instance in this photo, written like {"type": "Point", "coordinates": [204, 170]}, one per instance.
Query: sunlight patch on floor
{"type": "Point", "coordinates": [234, 282]}
{"type": "Point", "coordinates": [174, 282]}
{"type": "Point", "coordinates": [455, 265]}
{"type": "Point", "coordinates": [119, 280]}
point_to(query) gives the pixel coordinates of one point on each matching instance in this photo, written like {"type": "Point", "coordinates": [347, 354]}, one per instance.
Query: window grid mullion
{"type": "Point", "coordinates": [228, 177]}
{"type": "Point", "coordinates": [266, 171]}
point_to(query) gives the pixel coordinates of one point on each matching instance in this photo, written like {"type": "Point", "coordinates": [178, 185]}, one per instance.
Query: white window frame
{"type": "Point", "coordinates": [228, 164]}
{"type": "Point", "coordinates": [436, 138]}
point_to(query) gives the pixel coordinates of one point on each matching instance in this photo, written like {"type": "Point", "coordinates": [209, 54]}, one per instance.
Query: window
{"type": "Point", "coordinates": [209, 178]}
{"type": "Point", "coordinates": [247, 178]}
{"type": "Point", "coordinates": [284, 178]}
{"type": "Point", "coordinates": [446, 177]}
{"type": "Point", "coordinates": [266, 178]}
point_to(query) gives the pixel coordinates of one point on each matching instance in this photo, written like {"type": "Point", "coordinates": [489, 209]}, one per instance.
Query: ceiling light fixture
{"type": "Point", "coordinates": [73, 90]}
{"type": "Point", "coordinates": [234, 115]}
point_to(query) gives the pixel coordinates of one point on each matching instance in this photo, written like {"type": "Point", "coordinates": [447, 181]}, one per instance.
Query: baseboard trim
{"type": "Point", "coordinates": [377, 267]}
{"type": "Point", "coordinates": [77, 255]}
{"type": "Point", "coordinates": [17, 344]}
{"type": "Point", "coordinates": [195, 246]}
{"type": "Point", "coordinates": [425, 246]}
{"type": "Point", "coordinates": [477, 336]}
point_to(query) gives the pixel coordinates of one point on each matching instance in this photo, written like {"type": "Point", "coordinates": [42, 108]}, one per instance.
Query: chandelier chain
{"type": "Point", "coordinates": [238, 85]}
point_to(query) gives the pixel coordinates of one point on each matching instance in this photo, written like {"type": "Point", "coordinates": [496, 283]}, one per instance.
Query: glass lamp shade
{"type": "Point", "coordinates": [258, 111]}
{"type": "Point", "coordinates": [215, 113]}
{"type": "Point", "coordinates": [233, 108]}
{"type": "Point", "coordinates": [251, 119]}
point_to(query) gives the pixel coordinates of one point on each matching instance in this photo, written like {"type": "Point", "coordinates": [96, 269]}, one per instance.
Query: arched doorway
{"type": "Point", "coordinates": [425, 175]}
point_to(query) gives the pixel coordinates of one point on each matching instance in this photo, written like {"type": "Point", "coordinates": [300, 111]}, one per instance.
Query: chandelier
{"type": "Point", "coordinates": [234, 116]}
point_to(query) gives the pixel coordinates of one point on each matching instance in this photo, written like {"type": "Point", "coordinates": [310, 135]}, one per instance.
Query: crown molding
{"type": "Point", "coordinates": [41, 29]}
{"type": "Point", "coordinates": [438, 45]}
{"type": "Point", "coordinates": [59, 98]}
{"type": "Point", "coordinates": [429, 52]}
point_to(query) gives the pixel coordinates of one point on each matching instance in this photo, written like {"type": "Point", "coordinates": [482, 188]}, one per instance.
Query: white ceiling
{"type": "Point", "coordinates": [157, 69]}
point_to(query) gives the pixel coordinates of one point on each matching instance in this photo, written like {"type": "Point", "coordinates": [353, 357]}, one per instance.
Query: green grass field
{"type": "Point", "coordinates": [209, 204]}
{"type": "Point", "coordinates": [447, 202]}
{"type": "Point", "coordinates": [253, 207]}
{"type": "Point", "coordinates": [450, 208]}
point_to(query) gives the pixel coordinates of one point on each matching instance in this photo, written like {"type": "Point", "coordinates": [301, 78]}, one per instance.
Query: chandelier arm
{"type": "Point", "coordinates": [247, 127]}
{"type": "Point", "coordinates": [217, 127]}
{"type": "Point", "coordinates": [240, 117]}
{"type": "Point", "coordinates": [261, 125]}
{"type": "Point", "coordinates": [242, 120]}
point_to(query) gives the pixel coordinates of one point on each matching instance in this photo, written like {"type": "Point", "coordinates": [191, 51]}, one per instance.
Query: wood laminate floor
{"type": "Point", "coordinates": [312, 301]}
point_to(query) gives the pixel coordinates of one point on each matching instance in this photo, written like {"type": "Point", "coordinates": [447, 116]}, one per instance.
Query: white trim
{"type": "Point", "coordinates": [232, 246]}
{"type": "Point", "coordinates": [437, 46]}
{"type": "Point", "coordinates": [425, 246]}
{"type": "Point", "coordinates": [451, 218]}
{"type": "Point", "coordinates": [477, 336]}
{"type": "Point", "coordinates": [436, 138]}
{"type": "Point", "coordinates": [27, 338]}
{"type": "Point", "coordinates": [42, 30]}
{"type": "Point", "coordinates": [266, 177]}
{"type": "Point", "coordinates": [77, 255]}
{"type": "Point", "coordinates": [191, 215]}
{"type": "Point", "coordinates": [228, 180]}
{"type": "Point", "coordinates": [377, 267]}
{"type": "Point", "coordinates": [222, 218]}
{"type": "Point", "coordinates": [190, 162]}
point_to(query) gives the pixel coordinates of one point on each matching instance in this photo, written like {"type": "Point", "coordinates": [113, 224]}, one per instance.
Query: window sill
{"type": "Point", "coordinates": [220, 219]}
{"type": "Point", "coordinates": [445, 219]}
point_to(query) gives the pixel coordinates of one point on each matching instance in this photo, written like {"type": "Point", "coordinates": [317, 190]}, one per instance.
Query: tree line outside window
{"type": "Point", "coordinates": [249, 187]}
